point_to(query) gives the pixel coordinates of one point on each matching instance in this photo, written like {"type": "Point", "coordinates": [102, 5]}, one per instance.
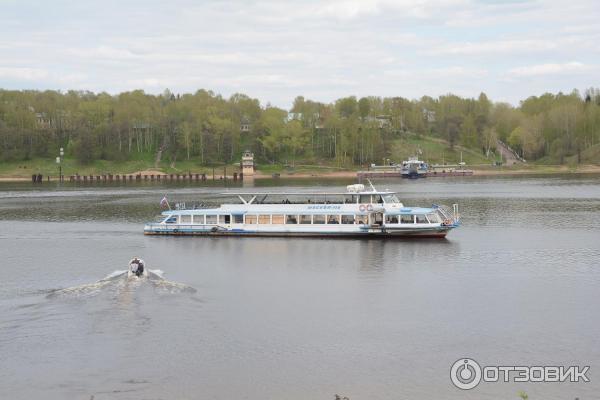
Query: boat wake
{"type": "Point", "coordinates": [120, 280]}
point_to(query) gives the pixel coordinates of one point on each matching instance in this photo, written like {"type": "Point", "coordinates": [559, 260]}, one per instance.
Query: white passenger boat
{"type": "Point", "coordinates": [357, 212]}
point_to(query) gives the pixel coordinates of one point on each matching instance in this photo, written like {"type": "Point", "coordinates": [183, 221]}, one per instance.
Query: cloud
{"type": "Point", "coordinates": [276, 49]}
{"type": "Point", "coordinates": [23, 73]}
{"type": "Point", "coordinates": [347, 9]}
{"type": "Point", "coordinates": [572, 67]}
{"type": "Point", "coordinates": [75, 78]}
{"type": "Point", "coordinates": [103, 52]}
{"type": "Point", "coordinates": [456, 71]}
{"type": "Point", "coordinates": [493, 47]}
{"type": "Point", "coordinates": [153, 83]}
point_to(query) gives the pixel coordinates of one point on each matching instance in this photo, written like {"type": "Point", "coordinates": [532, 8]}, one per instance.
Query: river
{"type": "Point", "coordinates": [257, 318]}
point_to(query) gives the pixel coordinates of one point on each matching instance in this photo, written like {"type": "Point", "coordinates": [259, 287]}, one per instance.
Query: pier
{"type": "Point", "coordinates": [396, 173]}
{"type": "Point", "coordinates": [157, 178]}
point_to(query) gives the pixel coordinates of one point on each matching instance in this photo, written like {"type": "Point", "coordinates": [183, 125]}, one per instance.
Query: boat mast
{"type": "Point", "coordinates": [371, 184]}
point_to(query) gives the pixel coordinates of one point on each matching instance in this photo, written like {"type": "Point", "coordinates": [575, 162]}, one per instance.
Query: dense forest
{"type": "Point", "coordinates": [211, 129]}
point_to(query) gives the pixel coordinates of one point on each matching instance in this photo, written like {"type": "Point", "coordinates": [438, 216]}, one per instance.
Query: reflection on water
{"type": "Point", "coordinates": [517, 284]}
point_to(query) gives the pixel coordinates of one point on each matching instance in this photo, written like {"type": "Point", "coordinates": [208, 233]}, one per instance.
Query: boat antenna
{"type": "Point", "coordinates": [371, 184]}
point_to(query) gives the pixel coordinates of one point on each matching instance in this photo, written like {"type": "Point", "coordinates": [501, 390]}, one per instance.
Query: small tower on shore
{"type": "Point", "coordinates": [247, 163]}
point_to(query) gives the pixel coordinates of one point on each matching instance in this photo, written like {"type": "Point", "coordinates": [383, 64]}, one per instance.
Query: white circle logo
{"type": "Point", "coordinates": [465, 373]}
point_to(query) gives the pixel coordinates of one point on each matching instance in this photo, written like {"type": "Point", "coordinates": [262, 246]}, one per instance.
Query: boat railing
{"type": "Point", "coordinates": [449, 215]}
{"type": "Point", "coordinates": [157, 226]}
{"type": "Point", "coordinates": [168, 227]}
{"type": "Point", "coordinates": [194, 206]}
{"type": "Point", "coordinates": [455, 211]}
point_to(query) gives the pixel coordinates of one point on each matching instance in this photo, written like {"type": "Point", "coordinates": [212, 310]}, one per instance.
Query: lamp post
{"type": "Point", "coordinates": [59, 162]}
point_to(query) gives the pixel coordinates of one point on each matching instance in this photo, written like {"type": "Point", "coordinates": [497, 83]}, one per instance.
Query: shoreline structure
{"type": "Point", "coordinates": [349, 174]}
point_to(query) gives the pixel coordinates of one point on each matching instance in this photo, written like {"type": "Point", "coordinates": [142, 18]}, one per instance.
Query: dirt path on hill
{"type": "Point", "coordinates": [508, 156]}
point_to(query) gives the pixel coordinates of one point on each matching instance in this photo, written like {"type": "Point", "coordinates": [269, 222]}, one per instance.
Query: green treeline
{"type": "Point", "coordinates": [211, 129]}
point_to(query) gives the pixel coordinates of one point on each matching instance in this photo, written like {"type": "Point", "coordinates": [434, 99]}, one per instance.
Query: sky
{"type": "Point", "coordinates": [323, 50]}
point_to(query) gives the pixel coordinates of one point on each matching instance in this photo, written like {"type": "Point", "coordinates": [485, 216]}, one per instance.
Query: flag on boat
{"type": "Point", "coordinates": [164, 202]}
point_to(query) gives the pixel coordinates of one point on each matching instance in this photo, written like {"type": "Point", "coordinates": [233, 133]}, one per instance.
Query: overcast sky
{"type": "Point", "coordinates": [323, 50]}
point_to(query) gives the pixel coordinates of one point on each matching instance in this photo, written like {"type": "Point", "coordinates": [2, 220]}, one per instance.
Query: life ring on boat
{"type": "Point", "coordinates": [365, 207]}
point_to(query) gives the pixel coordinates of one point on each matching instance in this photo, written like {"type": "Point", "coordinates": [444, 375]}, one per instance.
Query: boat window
{"type": "Point", "coordinates": [198, 219]}
{"type": "Point", "coordinates": [347, 219]}
{"type": "Point", "coordinates": [211, 219]}
{"type": "Point", "coordinates": [250, 219]}
{"type": "Point", "coordinates": [434, 218]}
{"type": "Point", "coordinates": [391, 219]}
{"type": "Point", "coordinates": [333, 219]}
{"type": "Point", "coordinates": [224, 219]}
{"type": "Point", "coordinates": [238, 219]}
{"type": "Point", "coordinates": [291, 219]}
{"type": "Point", "coordinates": [319, 219]}
{"type": "Point", "coordinates": [377, 199]}
{"type": "Point", "coordinates": [378, 218]}
{"type": "Point", "coordinates": [407, 219]}
{"type": "Point", "coordinates": [277, 219]}
{"type": "Point", "coordinates": [305, 219]}
{"type": "Point", "coordinates": [185, 219]}
{"type": "Point", "coordinates": [364, 198]}
{"type": "Point", "coordinates": [390, 198]}
{"type": "Point", "coordinates": [264, 219]}
{"type": "Point", "coordinates": [421, 219]}
{"type": "Point", "coordinates": [349, 199]}
{"type": "Point", "coordinates": [362, 219]}
{"type": "Point", "coordinates": [171, 220]}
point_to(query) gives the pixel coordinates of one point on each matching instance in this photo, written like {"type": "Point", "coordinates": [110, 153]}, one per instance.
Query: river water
{"type": "Point", "coordinates": [258, 318]}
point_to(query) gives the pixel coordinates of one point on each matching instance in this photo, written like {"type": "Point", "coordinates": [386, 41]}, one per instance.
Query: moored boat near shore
{"type": "Point", "coordinates": [355, 213]}
{"type": "Point", "coordinates": [414, 168]}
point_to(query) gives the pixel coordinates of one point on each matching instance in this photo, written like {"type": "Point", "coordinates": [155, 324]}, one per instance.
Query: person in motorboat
{"type": "Point", "coordinates": [136, 267]}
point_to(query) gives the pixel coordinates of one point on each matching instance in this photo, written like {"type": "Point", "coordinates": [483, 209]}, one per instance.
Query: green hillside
{"type": "Point", "coordinates": [434, 151]}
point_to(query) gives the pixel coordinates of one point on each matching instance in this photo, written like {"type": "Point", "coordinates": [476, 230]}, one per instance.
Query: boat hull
{"type": "Point", "coordinates": [434, 232]}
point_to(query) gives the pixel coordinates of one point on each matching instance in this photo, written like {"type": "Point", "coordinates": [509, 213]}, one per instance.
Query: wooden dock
{"type": "Point", "coordinates": [452, 172]}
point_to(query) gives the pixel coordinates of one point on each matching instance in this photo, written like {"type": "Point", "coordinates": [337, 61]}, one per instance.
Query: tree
{"type": "Point", "coordinates": [468, 134]}
{"type": "Point", "coordinates": [346, 107]}
{"type": "Point", "coordinates": [133, 125]}
{"type": "Point", "coordinates": [272, 126]}
{"type": "Point", "coordinates": [84, 146]}
{"type": "Point", "coordinates": [297, 138]}
{"type": "Point", "coordinates": [364, 107]}
{"type": "Point", "coordinates": [515, 139]}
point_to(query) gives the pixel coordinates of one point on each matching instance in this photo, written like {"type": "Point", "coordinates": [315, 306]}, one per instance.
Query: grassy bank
{"type": "Point", "coordinates": [434, 151]}
{"type": "Point", "coordinates": [48, 167]}
{"type": "Point", "coordinates": [24, 170]}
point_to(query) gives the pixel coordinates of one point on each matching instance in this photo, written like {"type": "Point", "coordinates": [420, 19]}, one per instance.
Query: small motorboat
{"type": "Point", "coordinates": [137, 268]}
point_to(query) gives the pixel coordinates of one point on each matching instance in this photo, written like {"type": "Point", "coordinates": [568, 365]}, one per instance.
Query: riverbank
{"type": "Point", "coordinates": [523, 169]}
{"type": "Point", "coordinates": [477, 171]}
{"type": "Point", "coordinates": [221, 173]}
